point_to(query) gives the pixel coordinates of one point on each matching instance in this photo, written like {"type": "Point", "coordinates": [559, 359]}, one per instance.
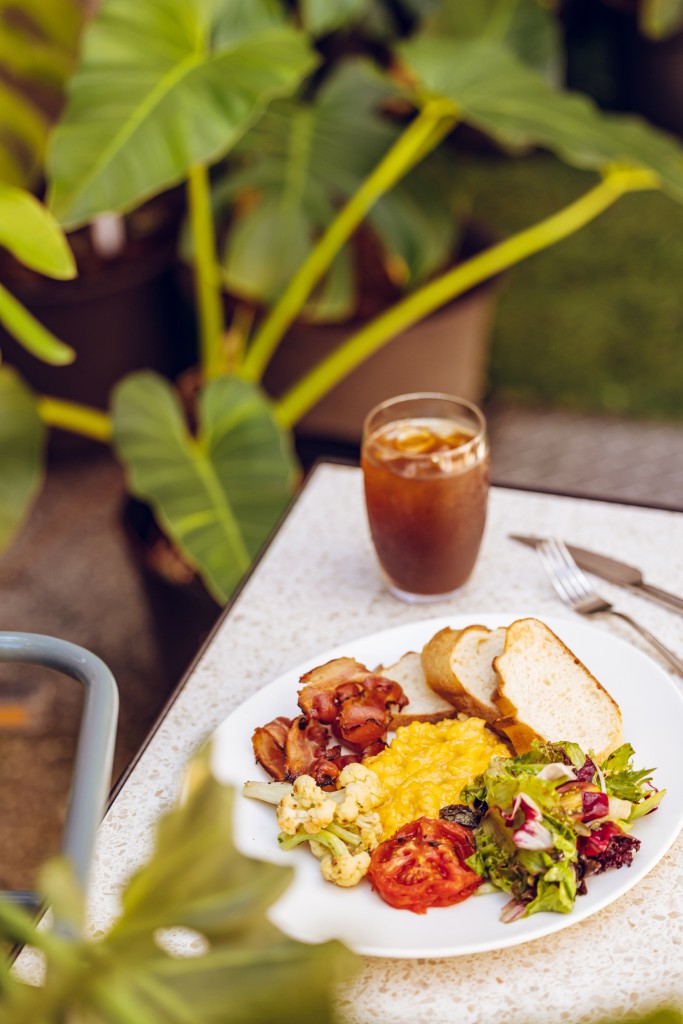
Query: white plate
{"type": "Point", "coordinates": [313, 910]}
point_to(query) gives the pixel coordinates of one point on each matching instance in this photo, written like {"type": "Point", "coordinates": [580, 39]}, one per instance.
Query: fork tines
{"type": "Point", "coordinates": [569, 581]}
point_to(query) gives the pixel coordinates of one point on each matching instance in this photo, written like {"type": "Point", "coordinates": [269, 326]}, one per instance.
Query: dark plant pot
{"type": "Point", "coordinates": [447, 351]}
{"type": "Point", "coordinates": [181, 609]}
{"type": "Point", "coordinates": [120, 315]}
{"type": "Point", "coordinates": [657, 81]}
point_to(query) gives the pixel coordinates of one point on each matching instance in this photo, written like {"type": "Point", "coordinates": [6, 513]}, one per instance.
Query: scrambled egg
{"type": "Point", "coordinates": [426, 766]}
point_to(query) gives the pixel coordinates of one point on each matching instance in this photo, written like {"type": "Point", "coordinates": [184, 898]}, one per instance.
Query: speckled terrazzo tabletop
{"type": "Point", "coordinates": [316, 588]}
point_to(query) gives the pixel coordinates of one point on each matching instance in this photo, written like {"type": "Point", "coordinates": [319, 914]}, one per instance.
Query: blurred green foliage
{"type": "Point", "coordinates": [241, 970]}
{"type": "Point", "coordinates": [595, 324]}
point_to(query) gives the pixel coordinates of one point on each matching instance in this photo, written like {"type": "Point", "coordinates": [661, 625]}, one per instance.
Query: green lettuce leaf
{"type": "Point", "coordinates": [622, 780]}
{"type": "Point", "coordinates": [555, 890]}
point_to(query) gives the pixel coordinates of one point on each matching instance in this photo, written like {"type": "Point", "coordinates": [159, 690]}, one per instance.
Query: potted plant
{"type": "Point", "coordinates": [121, 311]}
{"type": "Point", "coordinates": [31, 234]}
{"type": "Point", "coordinates": [138, 123]}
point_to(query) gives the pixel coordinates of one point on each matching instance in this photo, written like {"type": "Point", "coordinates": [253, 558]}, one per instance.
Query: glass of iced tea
{"type": "Point", "coordinates": [425, 460]}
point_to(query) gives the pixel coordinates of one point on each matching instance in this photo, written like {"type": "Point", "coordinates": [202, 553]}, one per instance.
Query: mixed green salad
{"type": "Point", "coordinates": [545, 820]}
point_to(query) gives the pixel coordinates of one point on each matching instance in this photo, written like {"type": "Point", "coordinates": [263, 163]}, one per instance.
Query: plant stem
{"type": "Point", "coordinates": [78, 419]}
{"type": "Point", "coordinates": [206, 274]}
{"type": "Point", "coordinates": [30, 333]}
{"type": "Point", "coordinates": [303, 395]}
{"type": "Point", "coordinates": [422, 135]}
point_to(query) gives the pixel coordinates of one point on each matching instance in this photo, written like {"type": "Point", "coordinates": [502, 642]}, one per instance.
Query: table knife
{"type": "Point", "coordinates": [613, 570]}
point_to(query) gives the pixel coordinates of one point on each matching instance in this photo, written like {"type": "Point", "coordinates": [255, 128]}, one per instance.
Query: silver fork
{"type": "Point", "coordinates": [576, 590]}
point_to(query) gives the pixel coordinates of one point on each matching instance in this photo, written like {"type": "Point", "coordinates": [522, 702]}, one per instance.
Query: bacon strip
{"type": "Point", "coordinates": [306, 742]}
{"type": "Point", "coordinates": [342, 698]}
{"type": "Point", "coordinates": [365, 719]}
{"type": "Point", "coordinates": [269, 743]}
{"type": "Point", "coordinates": [317, 699]}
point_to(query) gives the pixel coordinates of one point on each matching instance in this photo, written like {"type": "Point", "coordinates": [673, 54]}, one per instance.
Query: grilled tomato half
{"type": "Point", "coordinates": [423, 866]}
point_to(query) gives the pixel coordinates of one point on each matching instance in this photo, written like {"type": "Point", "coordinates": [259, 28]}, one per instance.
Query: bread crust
{"type": "Point", "coordinates": [437, 662]}
{"type": "Point", "coordinates": [512, 716]}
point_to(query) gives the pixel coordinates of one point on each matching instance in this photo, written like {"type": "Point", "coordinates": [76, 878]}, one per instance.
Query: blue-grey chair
{"type": "Point", "coordinates": [95, 750]}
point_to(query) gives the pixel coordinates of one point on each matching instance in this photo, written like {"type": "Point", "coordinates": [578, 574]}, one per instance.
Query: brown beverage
{"type": "Point", "coordinates": [426, 486]}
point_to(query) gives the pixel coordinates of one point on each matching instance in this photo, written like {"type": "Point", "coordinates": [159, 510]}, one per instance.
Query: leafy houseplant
{"type": "Point", "coordinates": [31, 234]}
{"type": "Point", "coordinates": [37, 51]}
{"type": "Point", "coordinates": [246, 969]}
{"type": "Point", "coordinates": [121, 261]}
{"type": "Point", "coordinates": [143, 117]}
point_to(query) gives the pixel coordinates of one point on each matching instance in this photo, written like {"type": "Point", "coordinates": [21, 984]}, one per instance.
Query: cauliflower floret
{"type": "Point", "coordinates": [339, 863]}
{"type": "Point", "coordinates": [345, 869]}
{"type": "Point", "coordinates": [365, 833]}
{"type": "Point", "coordinates": [370, 829]}
{"type": "Point", "coordinates": [362, 791]}
{"type": "Point", "coordinates": [307, 807]}
{"type": "Point", "coordinates": [340, 827]}
{"type": "Point", "coordinates": [319, 850]}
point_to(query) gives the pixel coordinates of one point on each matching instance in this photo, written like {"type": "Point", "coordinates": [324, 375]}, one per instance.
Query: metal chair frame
{"type": "Point", "coordinates": [95, 750]}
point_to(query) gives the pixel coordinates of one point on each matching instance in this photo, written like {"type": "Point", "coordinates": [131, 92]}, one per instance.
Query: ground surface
{"type": "Point", "coordinates": [70, 574]}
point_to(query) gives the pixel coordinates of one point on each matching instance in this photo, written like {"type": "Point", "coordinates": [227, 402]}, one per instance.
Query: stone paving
{"type": "Point", "coordinates": [591, 455]}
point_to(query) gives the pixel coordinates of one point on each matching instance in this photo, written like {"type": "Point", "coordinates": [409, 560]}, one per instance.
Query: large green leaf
{"type": "Point", "coordinates": [527, 27]}
{"type": "Point", "coordinates": [37, 49]}
{"type": "Point", "coordinates": [303, 160]}
{"type": "Point", "coordinates": [660, 19]}
{"type": "Point", "coordinates": [22, 441]}
{"type": "Point", "coordinates": [34, 237]}
{"type": "Point", "coordinates": [23, 132]}
{"type": "Point", "coordinates": [196, 877]}
{"type": "Point", "coordinates": [372, 19]}
{"type": "Point", "coordinates": [161, 86]}
{"type": "Point", "coordinates": [242, 18]}
{"type": "Point", "coordinates": [32, 234]}
{"type": "Point", "coordinates": [218, 494]}
{"type": "Point", "coordinates": [493, 90]}
{"type": "Point", "coordinates": [321, 16]}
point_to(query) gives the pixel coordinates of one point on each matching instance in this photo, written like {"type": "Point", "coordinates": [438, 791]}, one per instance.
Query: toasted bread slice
{"type": "Point", "coordinates": [544, 691]}
{"type": "Point", "coordinates": [423, 704]}
{"type": "Point", "coordinates": [458, 665]}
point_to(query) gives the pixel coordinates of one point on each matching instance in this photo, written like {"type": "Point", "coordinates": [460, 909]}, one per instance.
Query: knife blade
{"type": "Point", "coordinates": [613, 570]}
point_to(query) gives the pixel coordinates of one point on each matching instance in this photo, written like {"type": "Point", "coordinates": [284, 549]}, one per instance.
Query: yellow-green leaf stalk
{"type": "Point", "coordinates": [30, 333]}
{"type": "Point", "coordinates": [206, 274]}
{"type": "Point", "coordinates": [311, 388]}
{"type": "Point", "coordinates": [423, 135]}
{"type": "Point", "coordinates": [76, 418]}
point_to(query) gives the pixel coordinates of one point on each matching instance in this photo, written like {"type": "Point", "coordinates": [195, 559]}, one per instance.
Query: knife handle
{"type": "Point", "coordinates": [671, 600]}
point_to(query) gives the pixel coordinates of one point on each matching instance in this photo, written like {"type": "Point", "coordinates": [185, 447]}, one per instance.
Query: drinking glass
{"type": "Point", "coordinates": [425, 460]}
